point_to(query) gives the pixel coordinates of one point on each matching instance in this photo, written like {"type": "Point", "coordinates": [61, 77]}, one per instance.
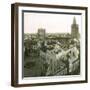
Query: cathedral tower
{"type": "Point", "coordinates": [74, 29]}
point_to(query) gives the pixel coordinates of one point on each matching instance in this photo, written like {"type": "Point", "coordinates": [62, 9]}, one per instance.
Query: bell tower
{"type": "Point", "coordinates": [74, 29]}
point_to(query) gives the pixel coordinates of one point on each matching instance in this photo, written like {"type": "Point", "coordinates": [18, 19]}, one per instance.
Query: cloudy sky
{"type": "Point", "coordinates": [53, 23]}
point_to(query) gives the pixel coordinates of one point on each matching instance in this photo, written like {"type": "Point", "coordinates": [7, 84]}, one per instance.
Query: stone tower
{"type": "Point", "coordinates": [41, 34]}
{"type": "Point", "coordinates": [74, 29]}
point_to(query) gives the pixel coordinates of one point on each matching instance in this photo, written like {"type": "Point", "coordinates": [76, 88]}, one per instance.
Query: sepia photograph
{"type": "Point", "coordinates": [49, 44]}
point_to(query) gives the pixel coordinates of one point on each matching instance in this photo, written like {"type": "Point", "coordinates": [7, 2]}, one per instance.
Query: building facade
{"type": "Point", "coordinates": [60, 62]}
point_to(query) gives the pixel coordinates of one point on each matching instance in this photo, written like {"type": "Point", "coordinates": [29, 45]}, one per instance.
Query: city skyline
{"type": "Point", "coordinates": [50, 22]}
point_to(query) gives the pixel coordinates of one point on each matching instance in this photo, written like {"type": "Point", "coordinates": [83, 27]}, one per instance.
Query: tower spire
{"type": "Point", "coordinates": [75, 30]}
{"type": "Point", "coordinates": [74, 20]}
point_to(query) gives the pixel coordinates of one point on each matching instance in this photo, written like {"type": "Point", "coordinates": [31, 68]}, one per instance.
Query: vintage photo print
{"type": "Point", "coordinates": [51, 43]}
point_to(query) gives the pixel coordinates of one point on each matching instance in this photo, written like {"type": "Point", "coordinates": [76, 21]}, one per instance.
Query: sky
{"type": "Point", "coordinates": [52, 23]}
